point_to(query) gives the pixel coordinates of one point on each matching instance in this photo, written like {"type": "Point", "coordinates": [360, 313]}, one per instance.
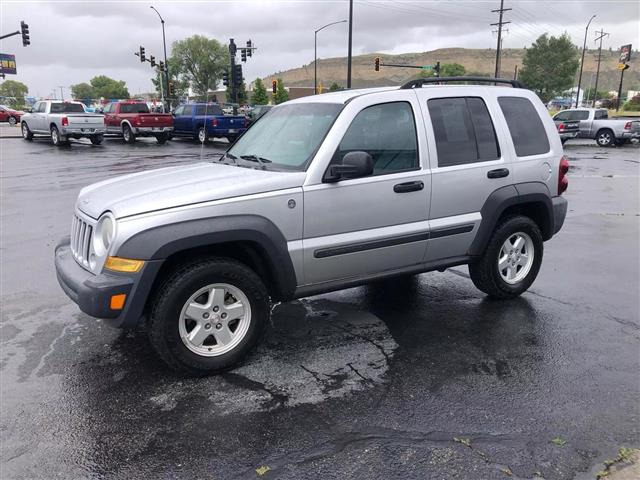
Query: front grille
{"type": "Point", "coordinates": [81, 233]}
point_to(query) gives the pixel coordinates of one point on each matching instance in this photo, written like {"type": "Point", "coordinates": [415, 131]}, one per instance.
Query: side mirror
{"type": "Point", "coordinates": [29, 110]}
{"type": "Point", "coordinates": [354, 165]}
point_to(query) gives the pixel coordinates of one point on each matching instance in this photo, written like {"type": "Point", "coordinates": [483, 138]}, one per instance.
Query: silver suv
{"type": "Point", "coordinates": [322, 193]}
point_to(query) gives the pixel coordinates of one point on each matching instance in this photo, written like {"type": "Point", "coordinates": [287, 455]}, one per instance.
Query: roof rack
{"type": "Point", "coordinates": [419, 82]}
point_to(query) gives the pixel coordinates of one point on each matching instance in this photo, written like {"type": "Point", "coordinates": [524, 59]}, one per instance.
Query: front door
{"type": "Point", "coordinates": [358, 227]}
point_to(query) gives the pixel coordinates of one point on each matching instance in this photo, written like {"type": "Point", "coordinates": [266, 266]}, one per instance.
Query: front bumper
{"type": "Point", "coordinates": [151, 130]}
{"type": "Point", "coordinates": [92, 293]}
{"type": "Point", "coordinates": [559, 212]}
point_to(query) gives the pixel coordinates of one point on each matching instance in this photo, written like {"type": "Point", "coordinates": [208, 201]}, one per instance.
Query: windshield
{"type": "Point", "coordinates": [289, 135]}
{"type": "Point", "coordinates": [67, 108]}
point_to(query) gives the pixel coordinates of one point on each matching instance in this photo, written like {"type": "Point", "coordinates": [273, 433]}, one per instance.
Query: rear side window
{"type": "Point", "coordinates": [527, 131]}
{"type": "Point", "coordinates": [134, 108]}
{"type": "Point", "coordinates": [600, 114]}
{"type": "Point", "coordinates": [463, 131]}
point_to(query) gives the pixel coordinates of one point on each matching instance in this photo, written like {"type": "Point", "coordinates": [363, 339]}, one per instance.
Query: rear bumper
{"type": "Point", "coordinates": [560, 205]}
{"type": "Point", "coordinates": [628, 135]}
{"type": "Point", "coordinates": [151, 130]}
{"type": "Point", "coordinates": [92, 293]}
{"type": "Point", "coordinates": [83, 131]}
{"type": "Point", "coordinates": [223, 132]}
{"type": "Point", "coordinates": [568, 135]}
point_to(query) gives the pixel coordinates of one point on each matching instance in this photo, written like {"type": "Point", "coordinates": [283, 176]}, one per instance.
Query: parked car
{"type": "Point", "coordinates": [132, 119]}
{"type": "Point", "coordinates": [9, 115]}
{"type": "Point", "coordinates": [257, 112]}
{"type": "Point", "coordinates": [596, 124]}
{"type": "Point", "coordinates": [567, 129]}
{"type": "Point", "coordinates": [202, 121]}
{"type": "Point", "coordinates": [325, 192]}
{"type": "Point", "coordinates": [62, 120]}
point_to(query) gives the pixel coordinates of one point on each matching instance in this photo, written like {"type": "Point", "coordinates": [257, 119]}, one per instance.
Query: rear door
{"type": "Point", "coordinates": [363, 226]}
{"type": "Point", "coordinates": [468, 163]}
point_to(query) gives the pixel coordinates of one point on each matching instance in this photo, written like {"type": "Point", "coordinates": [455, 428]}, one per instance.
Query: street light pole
{"type": "Point", "coordinates": [166, 64]}
{"type": "Point", "coordinates": [584, 46]}
{"type": "Point", "coordinates": [315, 54]}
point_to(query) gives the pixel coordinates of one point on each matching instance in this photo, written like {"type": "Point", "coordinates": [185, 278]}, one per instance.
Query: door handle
{"type": "Point", "coordinates": [498, 173]}
{"type": "Point", "coordinates": [408, 187]}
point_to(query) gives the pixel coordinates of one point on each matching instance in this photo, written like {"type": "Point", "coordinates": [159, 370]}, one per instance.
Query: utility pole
{"type": "Point", "coordinates": [584, 47]}
{"type": "Point", "coordinates": [61, 92]}
{"type": "Point", "coordinates": [500, 23]}
{"type": "Point", "coordinates": [515, 73]}
{"type": "Point", "coordinates": [601, 34]}
{"type": "Point", "coordinates": [350, 43]}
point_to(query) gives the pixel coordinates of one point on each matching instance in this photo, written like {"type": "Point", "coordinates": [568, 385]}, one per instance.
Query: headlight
{"type": "Point", "coordinates": [104, 234]}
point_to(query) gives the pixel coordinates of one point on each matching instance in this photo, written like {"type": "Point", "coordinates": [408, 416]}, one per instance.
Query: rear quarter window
{"type": "Point", "coordinates": [527, 130]}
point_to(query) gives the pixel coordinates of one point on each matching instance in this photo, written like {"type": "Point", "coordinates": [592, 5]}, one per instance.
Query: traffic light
{"type": "Point", "coordinates": [376, 64]}
{"type": "Point", "coordinates": [232, 47]}
{"type": "Point", "coordinates": [161, 66]}
{"type": "Point", "coordinates": [243, 54]}
{"type": "Point", "coordinates": [249, 51]}
{"type": "Point", "coordinates": [274, 86]}
{"type": "Point", "coordinates": [24, 30]}
{"type": "Point", "coordinates": [171, 89]}
{"type": "Point", "coordinates": [225, 78]}
{"type": "Point", "coordinates": [237, 78]}
{"type": "Point", "coordinates": [437, 69]}
{"type": "Point", "coordinates": [142, 54]}
{"type": "Point", "coordinates": [152, 60]}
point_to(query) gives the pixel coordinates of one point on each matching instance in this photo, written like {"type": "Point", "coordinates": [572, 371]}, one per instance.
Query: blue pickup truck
{"type": "Point", "coordinates": [202, 121]}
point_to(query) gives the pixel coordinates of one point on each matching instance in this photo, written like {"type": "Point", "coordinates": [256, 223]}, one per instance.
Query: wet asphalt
{"type": "Point", "coordinates": [418, 378]}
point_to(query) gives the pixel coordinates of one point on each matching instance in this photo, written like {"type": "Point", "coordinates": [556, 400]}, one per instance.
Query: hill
{"type": "Point", "coordinates": [476, 61]}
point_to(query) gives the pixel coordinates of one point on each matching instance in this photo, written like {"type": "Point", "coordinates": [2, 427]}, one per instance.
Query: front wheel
{"type": "Point", "coordinates": [96, 139]}
{"type": "Point", "coordinates": [208, 315]}
{"type": "Point", "coordinates": [26, 133]}
{"type": "Point", "coordinates": [13, 121]}
{"type": "Point", "coordinates": [511, 260]}
{"type": "Point", "coordinates": [605, 138]}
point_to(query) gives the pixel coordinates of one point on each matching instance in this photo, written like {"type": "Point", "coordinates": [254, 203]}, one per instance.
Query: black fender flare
{"type": "Point", "coordinates": [512, 196]}
{"type": "Point", "coordinates": [159, 243]}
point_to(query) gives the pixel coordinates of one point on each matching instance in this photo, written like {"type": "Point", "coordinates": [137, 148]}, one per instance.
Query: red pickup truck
{"type": "Point", "coordinates": [133, 119]}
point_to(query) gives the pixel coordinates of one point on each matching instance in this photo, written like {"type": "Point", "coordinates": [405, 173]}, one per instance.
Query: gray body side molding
{"type": "Point", "coordinates": [512, 196]}
{"type": "Point", "coordinates": [159, 243]}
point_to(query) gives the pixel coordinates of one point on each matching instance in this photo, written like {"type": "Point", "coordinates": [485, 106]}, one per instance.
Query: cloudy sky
{"type": "Point", "coordinates": [72, 41]}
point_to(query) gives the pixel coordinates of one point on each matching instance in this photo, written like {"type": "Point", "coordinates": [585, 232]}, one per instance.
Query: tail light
{"type": "Point", "coordinates": [65, 121]}
{"type": "Point", "coordinates": [561, 127]}
{"type": "Point", "coordinates": [563, 182]}
{"type": "Point", "coordinates": [214, 122]}
{"type": "Point", "coordinates": [627, 126]}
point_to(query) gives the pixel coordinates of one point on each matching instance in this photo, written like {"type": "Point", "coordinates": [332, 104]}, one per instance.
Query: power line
{"type": "Point", "coordinates": [500, 23]}
{"type": "Point", "coordinates": [601, 34]}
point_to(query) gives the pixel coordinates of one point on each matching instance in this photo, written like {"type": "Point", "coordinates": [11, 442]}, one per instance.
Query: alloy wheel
{"type": "Point", "coordinates": [516, 258]}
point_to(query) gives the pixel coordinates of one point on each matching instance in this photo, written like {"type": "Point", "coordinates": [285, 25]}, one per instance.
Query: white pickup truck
{"type": "Point", "coordinates": [62, 120]}
{"type": "Point", "coordinates": [596, 124]}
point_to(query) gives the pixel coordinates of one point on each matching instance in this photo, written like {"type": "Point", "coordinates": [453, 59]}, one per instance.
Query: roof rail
{"type": "Point", "coordinates": [419, 82]}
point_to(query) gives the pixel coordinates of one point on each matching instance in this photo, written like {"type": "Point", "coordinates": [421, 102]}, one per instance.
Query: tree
{"type": "Point", "coordinates": [259, 96]}
{"type": "Point", "coordinates": [633, 105]}
{"type": "Point", "coordinates": [180, 86]}
{"type": "Point", "coordinates": [550, 65]}
{"type": "Point", "coordinates": [335, 87]}
{"type": "Point", "coordinates": [82, 91]}
{"type": "Point", "coordinates": [105, 87]}
{"type": "Point", "coordinates": [281, 94]}
{"type": "Point", "coordinates": [14, 92]}
{"type": "Point", "coordinates": [590, 94]}
{"type": "Point", "coordinates": [200, 61]}
{"type": "Point", "coordinates": [452, 70]}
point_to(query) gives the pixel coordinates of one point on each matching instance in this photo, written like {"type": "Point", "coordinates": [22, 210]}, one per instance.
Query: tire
{"type": "Point", "coordinates": [127, 134]}
{"type": "Point", "coordinates": [96, 139]}
{"type": "Point", "coordinates": [169, 321]}
{"type": "Point", "coordinates": [486, 273]}
{"type": "Point", "coordinates": [162, 138]}
{"type": "Point", "coordinates": [605, 138]}
{"type": "Point", "coordinates": [564, 140]}
{"type": "Point", "coordinates": [26, 133]}
{"type": "Point", "coordinates": [12, 121]}
{"type": "Point", "coordinates": [56, 138]}
{"type": "Point", "coordinates": [202, 135]}
{"type": "Point", "coordinates": [232, 138]}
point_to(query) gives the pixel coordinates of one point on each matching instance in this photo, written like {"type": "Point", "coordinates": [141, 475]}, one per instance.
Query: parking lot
{"type": "Point", "coordinates": [421, 377]}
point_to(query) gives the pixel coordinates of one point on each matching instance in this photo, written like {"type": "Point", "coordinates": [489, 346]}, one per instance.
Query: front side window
{"type": "Point", "coordinates": [210, 109]}
{"type": "Point", "coordinates": [179, 111]}
{"type": "Point", "coordinates": [188, 110]}
{"type": "Point", "coordinates": [463, 131]}
{"type": "Point", "coordinates": [387, 132]}
{"type": "Point", "coordinates": [526, 129]}
{"type": "Point", "coordinates": [42, 108]}
{"type": "Point", "coordinates": [289, 136]}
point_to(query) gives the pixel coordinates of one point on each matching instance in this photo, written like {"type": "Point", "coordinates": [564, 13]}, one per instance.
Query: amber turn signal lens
{"type": "Point", "coordinates": [127, 265]}
{"type": "Point", "coordinates": [117, 301]}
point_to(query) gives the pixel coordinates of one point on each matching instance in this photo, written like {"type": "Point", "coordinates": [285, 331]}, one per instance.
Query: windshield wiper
{"type": "Point", "coordinates": [255, 158]}
{"type": "Point", "coordinates": [226, 156]}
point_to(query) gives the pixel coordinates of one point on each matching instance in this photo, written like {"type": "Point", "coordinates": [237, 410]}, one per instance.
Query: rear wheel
{"type": "Point", "coordinates": [56, 138]}
{"type": "Point", "coordinates": [207, 316]}
{"type": "Point", "coordinates": [162, 138]}
{"type": "Point", "coordinates": [13, 121]}
{"type": "Point", "coordinates": [605, 138]}
{"type": "Point", "coordinates": [232, 138]}
{"type": "Point", "coordinates": [26, 133]}
{"type": "Point", "coordinates": [96, 139]}
{"type": "Point", "coordinates": [511, 260]}
{"type": "Point", "coordinates": [128, 134]}
{"type": "Point", "coordinates": [203, 135]}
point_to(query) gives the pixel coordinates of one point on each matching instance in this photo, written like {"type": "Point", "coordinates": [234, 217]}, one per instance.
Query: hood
{"type": "Point", "coordinates": [177, 186]}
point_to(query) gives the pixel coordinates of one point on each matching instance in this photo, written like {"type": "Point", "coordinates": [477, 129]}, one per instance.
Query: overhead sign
{"type": "Point", "coordinates": [8, 64]}
{"type": "Point", "coordinates": [625, 54]}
